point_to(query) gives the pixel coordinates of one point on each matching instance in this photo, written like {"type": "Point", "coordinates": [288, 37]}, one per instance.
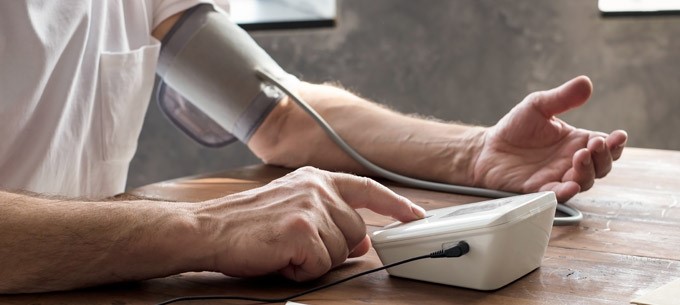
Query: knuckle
{"type": "Point", "coordinates": [324, 264]}
{"type": "Point", "coordinates": [309, 170]}
{"type": "Point", "coordinates": [536, 95]}
{"type": "Point", "coordinates": [358, 236]}
{"type": "Point", "coordinates": [305, 188]}
{"type": "Point", "coordinates": [310, 177]}
{"type": "Point", "coordinates": [368, 185]}
{"type": "Point", "coordinates": [306, 169]}
{"type": "Point", "coordinates": [307, 203]}
{"type": "Point", "coordinates": [300, 223]}
{"type": "Point", "coordinates": [339, 259]}
{"type": "Point", "coordinates": [366, 182]}
{"type": "Point", "coordinates": [586, 185]}
{"type": "Point", "coordinates": [337, 248]}
{"type": "Point", "coordinates": [604, 171]}
{"type": "Point", "coordinates": [305, 185]}
{"type": "Point", "coordinates": [302, 202]}
{"type": "Point", "coordinates": [302, 173]}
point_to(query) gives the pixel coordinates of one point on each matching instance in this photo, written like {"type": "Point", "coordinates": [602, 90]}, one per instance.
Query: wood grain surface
{"type": "Point", "coordinates": [627, 245]}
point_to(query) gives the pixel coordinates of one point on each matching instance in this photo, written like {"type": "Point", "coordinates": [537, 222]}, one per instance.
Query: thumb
{"type": "Point", "coordinates": [362, 248]}
{"type": "Point", "coordinates": [558, 100]}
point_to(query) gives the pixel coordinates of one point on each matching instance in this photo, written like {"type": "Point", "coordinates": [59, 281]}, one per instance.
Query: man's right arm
{"type": "Point", "coordinates": [52, 244]}
{"type": "Point", "coordinates": [300, 225]}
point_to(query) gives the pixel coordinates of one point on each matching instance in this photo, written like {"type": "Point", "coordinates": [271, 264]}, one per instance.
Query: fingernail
{"type": "Point", "coordinates": [418, 211]}
{"type": "Point", "coordinates": [601, 147]}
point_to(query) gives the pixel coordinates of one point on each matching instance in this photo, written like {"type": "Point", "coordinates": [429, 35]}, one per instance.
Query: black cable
{"type": "Point", "coordinates": [458, 250]}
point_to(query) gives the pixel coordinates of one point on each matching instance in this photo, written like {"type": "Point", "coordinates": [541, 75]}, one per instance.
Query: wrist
{"type": "Point", "coordinates": [184, 239]}
{"type": "Point", "coordinates": [476, 147]}
{"type": "Point", "coordinates": [216, 224]}
{"type": "Point", "coordinates": [464, 155]}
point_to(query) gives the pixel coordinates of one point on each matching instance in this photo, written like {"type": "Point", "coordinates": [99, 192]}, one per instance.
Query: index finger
{"type": "Point", "coordinates": [362, 192]}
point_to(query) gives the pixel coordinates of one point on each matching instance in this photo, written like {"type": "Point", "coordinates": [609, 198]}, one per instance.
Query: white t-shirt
{"type": "Point", "coordinates": [75, 82]}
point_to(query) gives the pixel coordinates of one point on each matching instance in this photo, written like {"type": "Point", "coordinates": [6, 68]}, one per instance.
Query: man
{"type": "Point", "coordinates": [75, 79]}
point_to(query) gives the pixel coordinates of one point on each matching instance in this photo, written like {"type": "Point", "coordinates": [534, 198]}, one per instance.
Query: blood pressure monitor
{"type": "Point", "coordinates": [507, 237]}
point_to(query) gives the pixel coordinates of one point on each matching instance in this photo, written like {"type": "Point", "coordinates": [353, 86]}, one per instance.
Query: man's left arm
{"type": "Point", "coordinates": [289, 137]}
{"type": "Point", "coordinates": [411, 146]}
{"type": "Point", "coordinates": [528, 150]}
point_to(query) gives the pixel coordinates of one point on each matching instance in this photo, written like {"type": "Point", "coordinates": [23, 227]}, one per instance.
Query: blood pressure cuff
{"type": "Point", "coordinates": [207, 83]}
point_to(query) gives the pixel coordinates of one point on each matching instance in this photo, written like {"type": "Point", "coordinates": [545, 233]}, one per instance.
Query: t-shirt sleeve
{"type": "Point", "coordinates": [162, 9]}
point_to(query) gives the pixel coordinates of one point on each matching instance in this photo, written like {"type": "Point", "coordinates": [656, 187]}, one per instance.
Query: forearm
{"type": "Point", "coordinates": [412, 146]}
{"type": "Point", "coordinates": [56, 244]}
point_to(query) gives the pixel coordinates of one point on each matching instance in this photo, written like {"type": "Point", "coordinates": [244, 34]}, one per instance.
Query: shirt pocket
{"type": "Point", "coordinates": [126, 80]}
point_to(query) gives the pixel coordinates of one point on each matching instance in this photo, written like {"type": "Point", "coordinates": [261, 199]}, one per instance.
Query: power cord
{"type": "Point", "coordinates": [458, 250]}
{"type": "Point", "coordinates": [573, 217]}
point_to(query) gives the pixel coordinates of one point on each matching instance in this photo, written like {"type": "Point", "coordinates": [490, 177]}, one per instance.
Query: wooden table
{"type": "Point", "coordinates": [627, 245]}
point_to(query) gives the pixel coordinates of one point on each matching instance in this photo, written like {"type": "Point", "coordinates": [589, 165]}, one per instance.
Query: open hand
{"type": "Point", "coordinates": [531, 150]}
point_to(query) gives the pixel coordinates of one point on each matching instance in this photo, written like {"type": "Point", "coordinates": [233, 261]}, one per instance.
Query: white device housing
{"type": "Point", "coordinates": [507, 237]}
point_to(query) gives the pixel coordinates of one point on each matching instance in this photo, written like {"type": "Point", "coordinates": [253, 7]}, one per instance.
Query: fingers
{"type": "Point", "coordinates": [582, 171]}
{"type": "Point", "coordinates": [361, 192]}
{"type": "Point", "coordinates": [595, 161]}
{"type": "Point", "coordinates": [340, 238]}
{"type": "Point", "coordinates": [362, 248]}
{"type": "Point", "coordinates": [563, 191]}
{"type": "Point", "coordinates": [601, 156]}
{"type": "Point", "coordinates": [311, 258]}
{"type": "Point", "coordinates": [616, 141]}
{"type": "Point", "coordinates": [336, 195]}
{"type": "Point", "coordinates": [605, 149]}
{"type": "Point", "coordinates": [558, 100]}
{"type": "Point", "coordinates": [350, 228]}
{"type": "Point", "coordinates": [323, 249]}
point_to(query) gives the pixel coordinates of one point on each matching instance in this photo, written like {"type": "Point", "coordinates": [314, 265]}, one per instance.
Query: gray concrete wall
{"type": "Point", "coordinates": [465, 60]}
